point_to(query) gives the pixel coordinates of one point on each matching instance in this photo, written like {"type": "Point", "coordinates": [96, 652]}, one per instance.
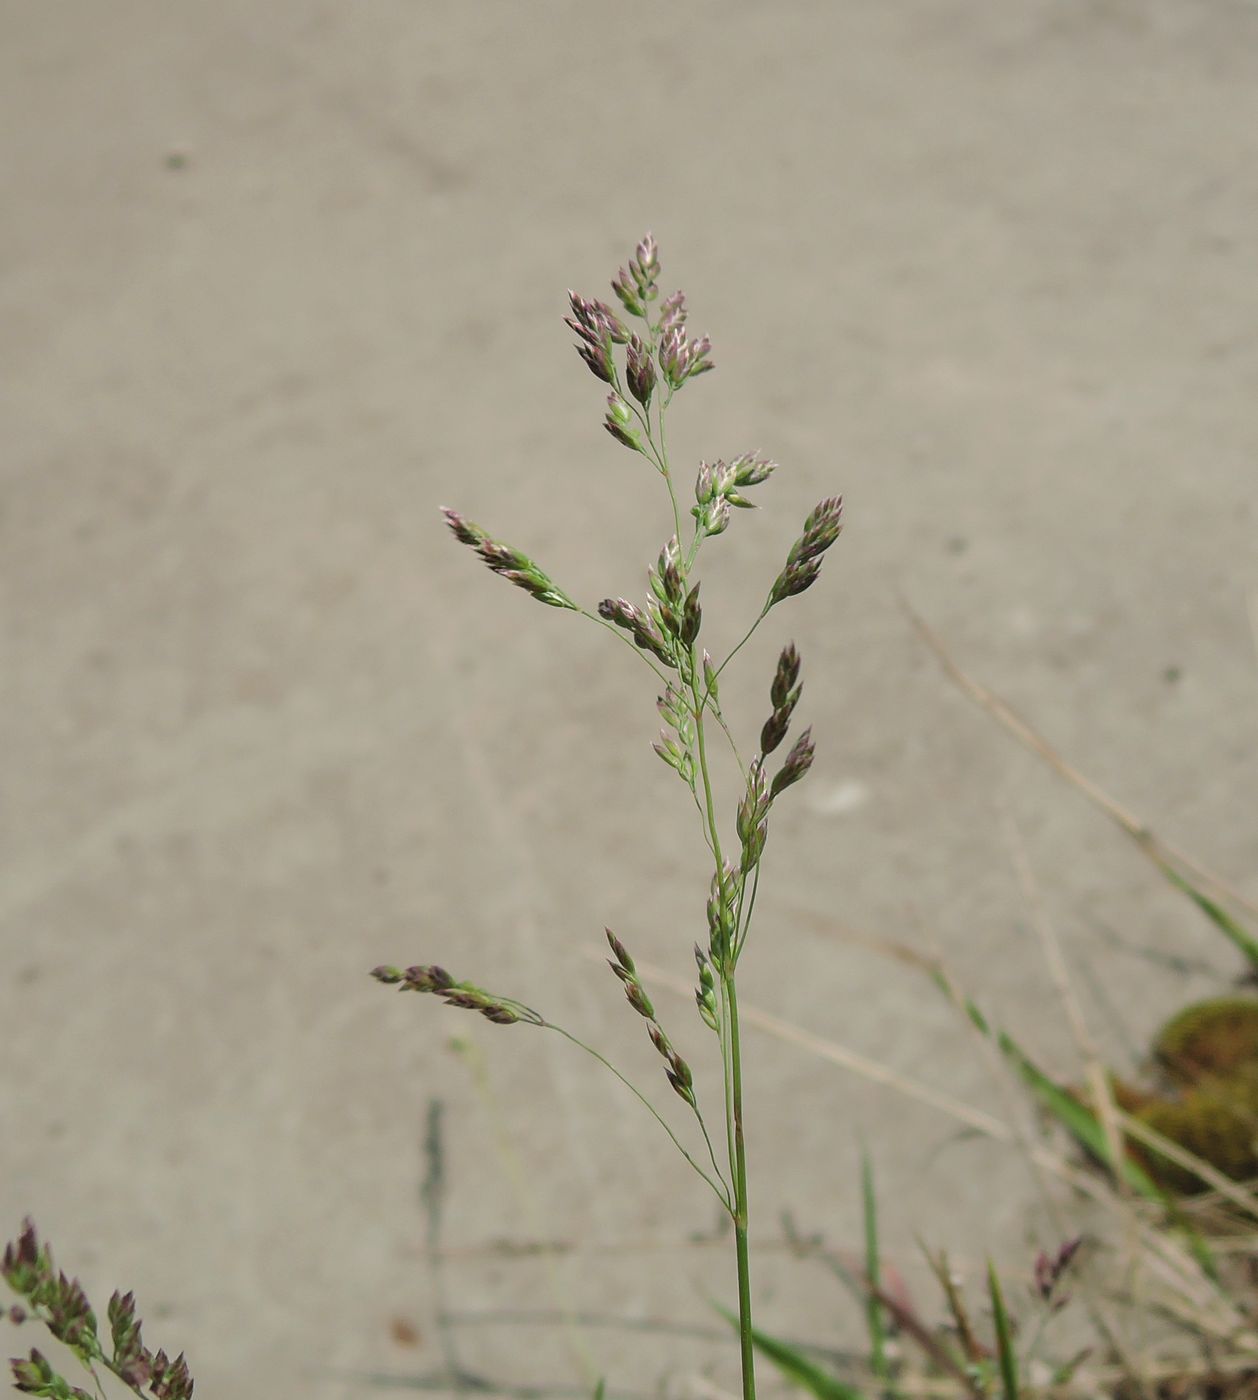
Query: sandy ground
{"type": "Point", "coordinates": [279, 280]}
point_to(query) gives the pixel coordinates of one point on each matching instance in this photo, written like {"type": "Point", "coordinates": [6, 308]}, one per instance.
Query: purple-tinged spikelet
{"type": "Point", "coordinates": [803, 563]}
{"type": "Point", "coordinates": [511, 564]}
{"type": "Point", "coordinates": [798, 762]}
{"type": "Point", "coordinates": [639, 370]}
{"type": "Point", "coordinates": [784, 693]}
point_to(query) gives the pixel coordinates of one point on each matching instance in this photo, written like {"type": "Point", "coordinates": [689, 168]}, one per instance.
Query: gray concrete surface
{"type": "Point", "coordinates": [276, 282]}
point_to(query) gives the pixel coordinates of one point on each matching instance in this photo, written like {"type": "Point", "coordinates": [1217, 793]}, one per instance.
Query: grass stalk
{"type": "Point", "coordinates": [747, 1345]}
{"type": "Point", "coordinates": [658, 359]}
{"type": "Point", "coordinates": [875, 1321]}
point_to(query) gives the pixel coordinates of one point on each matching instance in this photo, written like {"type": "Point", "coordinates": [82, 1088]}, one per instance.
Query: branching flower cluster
{"type": "Point", "coordinates": [643, 353]}
{"type": "Point", "coordinates": [61, 1305]}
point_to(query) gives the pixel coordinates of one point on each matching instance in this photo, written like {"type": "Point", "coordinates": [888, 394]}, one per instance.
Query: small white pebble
{"type": "Point", "coordinates": [837, 800]}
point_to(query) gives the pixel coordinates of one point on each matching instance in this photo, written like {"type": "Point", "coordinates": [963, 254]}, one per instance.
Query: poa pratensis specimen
{"type": "Point", "coordinates": [644, 355]}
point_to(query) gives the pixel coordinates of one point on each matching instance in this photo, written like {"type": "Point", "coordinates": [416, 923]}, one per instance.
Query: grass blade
{"type": "Point", "coordinates": [1004, 1337]}
{"type": "Point", "coordinates": [873, 1271]}
{"type": "Point", "coordinates": [1217, 915]}
{"type": "Point", "coordinates": [1076, 1118]}
{"type": "Point", "coordinates": [1086, 1128]}
{"type": "Point", "coordinates": [1083, 1125]}
{"type": "Point", "coordinates": [795, 1366]}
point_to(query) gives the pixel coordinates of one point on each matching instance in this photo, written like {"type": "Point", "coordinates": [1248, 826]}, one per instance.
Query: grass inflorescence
{"type": "Point", "coordinates": [644, 354]}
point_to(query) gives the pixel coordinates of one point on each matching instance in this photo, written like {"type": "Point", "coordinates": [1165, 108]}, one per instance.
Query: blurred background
{"type": "Point", "coordinates": [279, 281]}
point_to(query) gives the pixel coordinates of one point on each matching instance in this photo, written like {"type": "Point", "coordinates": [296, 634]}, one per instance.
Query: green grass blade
{"type": "Point", "coordinates": [1217, 915]}
{"type": "Point", "coordinates": [1065, 1373]}
{"type": "Point", "coordinates": [795, 1366]}
{"type": "Point", "coordinates": [873, 1271]}
{"type": "Point", "coordinates": [1076, 1118]}
{"type": "Point", "coordinates": [1004, 1336]}
{"type": "Point", "coordinates": [976, 1017]}
{"type": "Point", "coordinates": [1086, 1128]}
{"type": "Point", "coordinates": [1080, 1121]}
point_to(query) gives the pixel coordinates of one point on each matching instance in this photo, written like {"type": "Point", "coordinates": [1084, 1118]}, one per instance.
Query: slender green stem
{"type": "Point", "coordinates": [703, 769]}
{"type": "Point", "coordinates": [712, 1155]}
{"type": "Point", "coordinates": [731, 1061]}
{"type": "Point", "coordinates": [720, 719]}
{"type": "Point", "coordinates": [672, 490]}
{"type": "Point", "coordinates": [743, 643]}
{"type": "Point", "coordinates": [1036, 1337]}
{"type": "Point", "coordinates": [703, 825]}
{"type": "Point", "coordinates": [746, 917]}
{"type": "Point", "coordinates": [740, 1199]}
{"type": "Point", "coordinates": [620, 636]}
{"type": "Point", "coordinates": [727, 1084]}
{"type": "Point", "coordinates": [721, 1192]}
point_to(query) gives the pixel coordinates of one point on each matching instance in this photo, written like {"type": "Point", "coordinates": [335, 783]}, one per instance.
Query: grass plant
{"type": "Point", "coordinates": [643, 353]}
